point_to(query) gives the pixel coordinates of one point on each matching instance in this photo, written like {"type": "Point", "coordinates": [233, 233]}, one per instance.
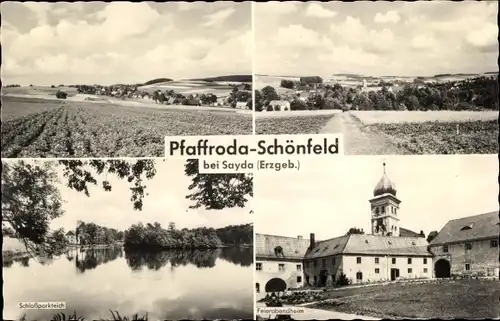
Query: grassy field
{"type": "Point", "coordinates": [32, 128]}
{"type": "Point", "coordinates": [396, 117]}
{"type": "Point", "coordinates": [38, 90]}
{"type": "Point", "coordinates": [291, 125]}
{"type": "Point", "coordinates": [187, 87]}
{"type": "Point", "coordinates": [467, 299]}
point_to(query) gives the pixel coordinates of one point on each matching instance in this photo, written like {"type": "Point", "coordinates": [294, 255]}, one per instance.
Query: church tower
{"type": "Point", "coordinates": [385, 208]}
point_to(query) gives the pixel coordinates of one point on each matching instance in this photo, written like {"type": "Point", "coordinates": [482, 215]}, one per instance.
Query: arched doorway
{"type": "Point", "coordinates": [275, 285]}
{"type": "Point", "coordinates": [442, 268]}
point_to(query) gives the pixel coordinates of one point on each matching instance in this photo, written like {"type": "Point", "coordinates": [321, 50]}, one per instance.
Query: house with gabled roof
{"type": "Point", "coordinates": [279, 257]}
{"type": "Point", "coordinates": [468, 245]}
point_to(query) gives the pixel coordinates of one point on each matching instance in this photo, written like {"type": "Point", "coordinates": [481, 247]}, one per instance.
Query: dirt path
{"type": "Point", "coordinates": [359, 139]}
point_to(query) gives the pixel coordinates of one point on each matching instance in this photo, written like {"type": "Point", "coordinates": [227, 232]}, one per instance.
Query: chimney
{"type": "Point", "coordinates": [299, 237]}
{"type": "Point", "coordinates": [312, 241]}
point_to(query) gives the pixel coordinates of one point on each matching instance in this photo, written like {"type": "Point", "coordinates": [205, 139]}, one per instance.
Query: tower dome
{"type": "Point", "coordinates": [384, 186]}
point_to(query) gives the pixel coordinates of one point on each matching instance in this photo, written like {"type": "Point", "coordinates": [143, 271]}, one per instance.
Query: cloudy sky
{"type": "Point", "coordinates": [376, 38]}
{"type": "Point", "coordinates": [123, 42]}
{"type": "Point", "coordinates": [165, 203]}
{"type": "Point", "coordinates": [329, 197]}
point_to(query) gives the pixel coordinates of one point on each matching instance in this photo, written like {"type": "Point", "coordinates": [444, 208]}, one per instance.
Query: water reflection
{"type": "Point", "coordinates": [166, 285]}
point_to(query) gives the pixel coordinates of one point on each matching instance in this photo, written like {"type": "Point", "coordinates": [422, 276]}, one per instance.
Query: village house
{"type": "Point", "coordinates": [279, 257]}
{"type": "Point", "coordinates": [241, 105]}
{"type": "Point", "coordinates": [279, 105]}
{"type": "Point", "coordinates": [468, 245]}
{"type": "Point", "coordinates": [72, 238]}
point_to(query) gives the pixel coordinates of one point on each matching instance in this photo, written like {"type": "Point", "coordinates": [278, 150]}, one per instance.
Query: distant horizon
{"type": "Point", "coordinates": [135, 83]}
{"type": "Point", "coordinates": [379, 76]}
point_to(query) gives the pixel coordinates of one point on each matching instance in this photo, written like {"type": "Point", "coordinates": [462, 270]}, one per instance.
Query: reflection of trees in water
{"type": "Point", "coordinates": [242, 256]}
{"type": "Point", "coordinates": [7, 262]}
{"type": "Point", "coordinates": [156, 260]}
{"type": "Point", "coordinates": [91, 258]}
{"type": "Point", "coordinates": [199, 258]}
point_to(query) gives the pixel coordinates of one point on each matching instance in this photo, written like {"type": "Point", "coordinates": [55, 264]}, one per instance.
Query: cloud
{"type": "Point", "coordinates": [275, 8]}
{"type": "Point", "coordinates": [218, 17]}
{"type": "Point", "coordinates": [389, 16]}
{"type": "Point", "coordinates": [318, 11]}
{"type": "Point", "coordinates": [378, 38]}
{"type": "Point", "coordinates": [121, 42]}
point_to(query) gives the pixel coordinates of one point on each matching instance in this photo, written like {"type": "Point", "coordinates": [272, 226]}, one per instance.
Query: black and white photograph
{"type": "Point", "coordinates": [125, 240]}
{"type": "Point", "coordinates": [112, 79]}
{"type": "Point", "coordinates": [393, 77]}
{"type": "Point", "coordinates": [400, 237]}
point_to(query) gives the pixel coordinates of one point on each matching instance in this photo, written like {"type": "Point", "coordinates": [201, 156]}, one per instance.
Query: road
{"type": "Point", "coordinates": [359, 139]}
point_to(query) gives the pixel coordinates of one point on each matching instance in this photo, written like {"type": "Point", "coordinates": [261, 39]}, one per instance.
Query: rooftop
{"type": "Point", "coordinates": [292, 247]}
{"type": "Point", "coordinates": [469, 228]}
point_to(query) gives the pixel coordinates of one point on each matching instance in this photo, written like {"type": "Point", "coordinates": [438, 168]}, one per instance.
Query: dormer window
{"type": "Point", "coordinates": [467, 227]}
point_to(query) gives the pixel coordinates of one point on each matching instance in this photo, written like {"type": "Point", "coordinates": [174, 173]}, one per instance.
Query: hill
{"type": "Point", "coordinates": [229, 78]}
{"type": "Point", "coordinates": [157, 80]}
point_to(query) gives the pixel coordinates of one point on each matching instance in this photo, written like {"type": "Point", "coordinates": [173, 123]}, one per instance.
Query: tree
{"type": "Point", "coordinates": [259, 104]}
{"type": "Point", "coordinates": [268, 93]}
{"type": "Point", "coordinates": [355, 230]}
{"type": "Point", "coordinates": [432, 235]}
{"type": "Point", "coordinates": [298, 104]}
{"type": "Point", "coordinates": [218, 191]}
{"type": "Point", "coordinates": [61, 95]}
{"type": "Point", "coordinates": [285, 83]}
{"type": "Point", "coordinates": [162, 98]}
{"type": "Point", "coordinates": [156, 96]}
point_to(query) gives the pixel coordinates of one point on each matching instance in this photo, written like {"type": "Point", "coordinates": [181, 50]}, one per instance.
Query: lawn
{"type": "Point", "coordinates": [465, 299]}
{"type": "Point", "coordinates": [291, 125]}
{"type": "Point", "coordinates": [31, 128]}
{"type": "Point", "coordinates": [463, 137]}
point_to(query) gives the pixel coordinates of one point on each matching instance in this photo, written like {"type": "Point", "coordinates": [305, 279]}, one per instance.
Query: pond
{"type": "Point", "coordinates": [168, 285]}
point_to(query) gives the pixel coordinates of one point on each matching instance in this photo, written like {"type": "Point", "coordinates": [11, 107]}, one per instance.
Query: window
{"type": "Point", "coordinates": [258, 266]}
{"type": "Point", "coordinates": [377, 271]}
{"type": "Point", "coordinates": [425, 270]}
{"type": "Point", "coordinates": [410, 271]}
{"type": "Point", "coordinates": [257, 287]}
{"type": "Point", "coordinates": [494, 243]}
{"type": "Point", "coordinates": [281, 267]}
{"type": "Point", "coordinates": [445, 248]}
{"type": "Point", "coordinates": [299, 267]}
{"type": "Point", "coordinates": [393, 260]}
{"type": "Point", "coordinates": [307, 279]}
{"type": "Point", "coordinates": [315, 279]}
{"type": "Point", "coordinates": [323, 262]}
{"type": "Point", "coordinates": [468, 246]}
{"type": "Point", "coordinates": [315, 263]}
{"type": "Point", "coordinates": [376, 260]}
{"type": "Point", "coordinates": [467, 267]}
{"type": "Point", "coordinates": [425, 260]}
{"type": "Point", "coordinates": [358, 260]}
{"type": "Point", "coordinates": [333, 261]}
{"type": "Point", "coordinates": [359, 276]}
{"type": "Point", "coordinates": [409, 260]}
{"type": "Point", "coordinates": [299, 279]}
{"type": "Point", "coordinates": [307, 264]}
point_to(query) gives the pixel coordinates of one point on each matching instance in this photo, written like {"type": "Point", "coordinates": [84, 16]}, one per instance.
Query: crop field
{"type": "Point", "coordinates": [187, 87]}
{"type": "Point", "coordinates": [291, 125]}
{"type": "Point", "coordinates": [391, 117]}
{"type": "Point", "coordinates": [464, 137]}
{"type": "Point", "coordinates": [79, 129]}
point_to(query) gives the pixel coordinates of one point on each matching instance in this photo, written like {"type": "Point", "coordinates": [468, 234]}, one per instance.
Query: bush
{"type": "Point", "coordinates": [269, 108]}
{"type": "Point", "coordinates": [342, 280]}
{"type": "Point", "coordinates": [61, 95]}
{"type": "Point", "coordinates": [287, 84]}
{"type": "Point", "coordinates": [298, 105]}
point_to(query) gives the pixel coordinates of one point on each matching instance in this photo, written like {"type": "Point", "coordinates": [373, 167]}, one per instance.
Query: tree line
{"type": "Point", "coordinates": [92, 234]}
{"type": "Point", "coordinates": [471, 94]}
{"type": "Point", "coordinates": [154, 236]}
